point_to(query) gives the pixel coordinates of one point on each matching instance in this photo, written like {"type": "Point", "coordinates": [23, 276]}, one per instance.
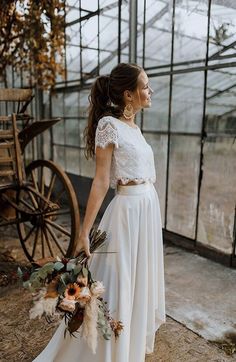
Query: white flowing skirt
{"type": "Point", "coordinates": [130, 264]}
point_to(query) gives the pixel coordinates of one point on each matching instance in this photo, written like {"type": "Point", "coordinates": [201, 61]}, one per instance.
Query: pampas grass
{"type": "Point", "coordinates": [90, 331]}
{"type": "Point", "coordinates": [43, 305]}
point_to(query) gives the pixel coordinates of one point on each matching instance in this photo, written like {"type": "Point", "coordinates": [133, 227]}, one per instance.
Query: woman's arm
{"type": "Point", "coordinates": [97, 194]}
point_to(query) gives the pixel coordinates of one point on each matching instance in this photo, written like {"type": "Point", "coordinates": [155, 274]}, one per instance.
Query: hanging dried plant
{"type": "Point", "coordinates": [32, 36]}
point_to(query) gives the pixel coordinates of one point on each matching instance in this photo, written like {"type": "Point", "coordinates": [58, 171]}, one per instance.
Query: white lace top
{"type": "Point", "coordinates": [132, 158]}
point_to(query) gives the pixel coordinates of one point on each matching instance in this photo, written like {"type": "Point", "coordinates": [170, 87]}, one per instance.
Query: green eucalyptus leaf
{"type": "Point", "coordinates": [70, 266]}
{"type": "Point", "coordinates": [107, 336]}
{"type": "Point", "coordinates": [49, 267]}
{"type": "Point", "coordinates": [19, 272]}
{"type": "Point", "coordinates": [65, 278]}
{"type": "Point", "coordinates": [61, 288]}
{"type": "Point", "coordinates": [58, 266]}
{"type": "Point", "coordinates": [77, 269]}
{"type": "Point", "coordinates": [36, 284]}
{"type": "Point", "coordinates": [85, 271]}
{"type": "Point", "coordinates": [27, 284]}
{"type": "Point", "coordinates": [34, 275]}
{"type": "Point", "coordinates": [42, 274]}
{"type": "Point", "coordinates": [102, 322]}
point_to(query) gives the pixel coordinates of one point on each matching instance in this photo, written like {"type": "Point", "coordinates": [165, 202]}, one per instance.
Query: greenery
{"type": "Point", "coordinates": [32, 37]}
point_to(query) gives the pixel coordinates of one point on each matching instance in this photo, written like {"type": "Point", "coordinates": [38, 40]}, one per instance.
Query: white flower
{"type": "Point", "coordinates": [67, 305]}
{"type": "Point", "coordinates": [43, 306]}
{"type": "Point", "coordinates": [84, 295]}
{"type": "Point", "coordinates": [97, 288]}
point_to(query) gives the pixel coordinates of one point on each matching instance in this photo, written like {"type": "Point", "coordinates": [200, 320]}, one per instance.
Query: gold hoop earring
{"type": "Point", "coordinates": [128, 111]}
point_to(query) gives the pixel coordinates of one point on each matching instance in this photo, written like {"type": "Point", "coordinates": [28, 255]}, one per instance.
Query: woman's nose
{"type": "Point", "coordinates": [151, 90]}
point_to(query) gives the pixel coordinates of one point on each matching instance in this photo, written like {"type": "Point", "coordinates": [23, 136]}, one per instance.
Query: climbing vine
{"type": "Point", "coordinates": [32, 36]}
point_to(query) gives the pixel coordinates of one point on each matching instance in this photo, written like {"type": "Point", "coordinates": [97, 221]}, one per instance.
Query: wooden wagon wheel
{"type": "Point", "coordinates": [54, 228]}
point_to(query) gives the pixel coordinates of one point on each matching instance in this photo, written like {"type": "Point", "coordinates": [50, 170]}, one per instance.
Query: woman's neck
{"type": "Point", "coordinates": [129, 121]}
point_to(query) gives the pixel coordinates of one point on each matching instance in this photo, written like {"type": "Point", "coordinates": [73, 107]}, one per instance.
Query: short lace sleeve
{"type": "Point", "coordinates": [106, 133]}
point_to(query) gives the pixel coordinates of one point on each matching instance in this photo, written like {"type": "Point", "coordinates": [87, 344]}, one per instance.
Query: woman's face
{"type": "Point", "coordinates": [141, 97]}
{"type": "Point", "coordinates": [143, 92]}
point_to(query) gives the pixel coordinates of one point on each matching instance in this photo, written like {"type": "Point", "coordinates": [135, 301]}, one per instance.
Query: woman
{"type": "Point", "coordinates": [130, 264]}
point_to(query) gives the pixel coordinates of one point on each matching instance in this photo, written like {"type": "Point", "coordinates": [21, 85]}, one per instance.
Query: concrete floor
{"type": "Point", "coordinates": [200, 294]}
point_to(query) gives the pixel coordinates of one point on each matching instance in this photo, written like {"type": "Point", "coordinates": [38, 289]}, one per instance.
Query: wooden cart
{"type": "Point", "coordinates": [39, 198]}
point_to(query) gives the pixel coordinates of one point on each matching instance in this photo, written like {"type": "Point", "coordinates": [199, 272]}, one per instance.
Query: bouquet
{"type": "Point", "coordinates": [66, 286]}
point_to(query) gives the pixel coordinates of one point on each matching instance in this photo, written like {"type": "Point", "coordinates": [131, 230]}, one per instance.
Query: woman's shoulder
{"type": "Point", "coordinates": [107, 120]}
{"type": "Point", "coordinates": [106, 132]}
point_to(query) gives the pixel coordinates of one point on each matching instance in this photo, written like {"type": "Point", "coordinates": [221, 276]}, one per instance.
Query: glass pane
{"type": "Point", "coordinates": [83, 103]}
{"type": "Point", "coordinates": [82, 124]}
{"type": "Point", "coordinates": [72, 160]}
{"type": "Point", "coordinates": [222, 29]}
{"type": "Point", "coordinates": [190, 30]}
{"type": "Point", "coordinates": [109, 30]}
{"type": "Point", "coordinates": [158, 33]}
{"type": "Point", "coordinates": [59, 156]}
{"type": "Point", "coordinates": [57, 105]}
{"type": "Point", "coordinates": [47, 145]}
{"type": "Point", "coordinates": [156, 117]}
{"type": "Point", "coordinates": [72, 35]}
{"type": "Point", "coordinates": [89, 60]}
{"type": "Point", "coordinates": [73, 62]}
{"type": "Point", "coordinates": [183, 184]}
{"type": "Point", "coordinates": [89, 32]}
{"type": "Point", "coordinates": [71, 104]}
{"type": "Point", "coordinates": [108, 61]}
{"type": "Point", "coordinates": [218, 190]}
{"type": "Point", "coordinates": [221, 88]}
{"type": "Point", "coordinates": [89, 5]}
{"type": "Point", "coordinates": [72, 133]}
{"type": "Point", "coordinates": [72, 10]}
{"type": "Point", "coordinates": [187, 102]}
{"type": "Point", "coordinates": [59, 132]}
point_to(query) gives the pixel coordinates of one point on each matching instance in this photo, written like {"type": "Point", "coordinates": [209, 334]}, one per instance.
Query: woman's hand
{"type": "Point", "coordinates": [83, 243]}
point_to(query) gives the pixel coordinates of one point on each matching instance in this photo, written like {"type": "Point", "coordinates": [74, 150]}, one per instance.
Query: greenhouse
{"type": "Point", "coordinates": [133, 249]}
{"type": "Point", "coordinates": [187, 48]}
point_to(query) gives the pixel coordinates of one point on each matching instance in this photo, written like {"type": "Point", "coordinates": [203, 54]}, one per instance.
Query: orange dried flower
{"type": "Point", "coordinates": [72, 291]}
{"type": "Point", "coordinates": [117, 327]}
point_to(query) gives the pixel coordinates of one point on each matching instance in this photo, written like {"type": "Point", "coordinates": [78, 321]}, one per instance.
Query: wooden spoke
{"type": "Point", "coordinates": [27, 205]}
{"type": "Point", "coordinates": [35, 242]}
{"type": "Point", "coordinates": [58, 227]}
{"type": "Point", "coordinates": [32, 172]}
{"type": "Point", "coordinates": [42, 243]}
{"type": "Point", "coordinates": [49, 212]}
{"type": "Point", "coordinates": [48, 241]}
{"type": "Point", "coordinates": [28, 235]}
{"type": "Point", "coordinates": [57, 212]}
{"type": "Point", "coordinates": [59, 194]}
{"type": "Point", "coordinates": [55, 239]}
{"type": "Point", "coordinates": [42, 186]}
{"type": "Point", "coordinates": [34, 202]}
{"type": "Point", "coordinates": [52, 182]}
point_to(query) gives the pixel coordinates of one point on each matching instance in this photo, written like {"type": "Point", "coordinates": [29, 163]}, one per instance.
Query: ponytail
{"type": "Point", "coordinates": [106, 99]}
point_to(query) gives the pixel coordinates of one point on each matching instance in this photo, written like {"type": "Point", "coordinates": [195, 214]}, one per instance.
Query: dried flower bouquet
{"type": "Point", "coordinates": [66, 286]}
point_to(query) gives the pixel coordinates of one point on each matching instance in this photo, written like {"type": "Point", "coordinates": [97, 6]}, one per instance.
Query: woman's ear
{"type": "Point", "coordinates": [128, 97]}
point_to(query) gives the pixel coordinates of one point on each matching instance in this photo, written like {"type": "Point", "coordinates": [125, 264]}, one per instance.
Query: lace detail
{"type": "Point", "coordinates": [106, 133]}
{"type": "Point", "coordinates": [132, 158]}
{"type": "Point", "coordinates": [125, 180]}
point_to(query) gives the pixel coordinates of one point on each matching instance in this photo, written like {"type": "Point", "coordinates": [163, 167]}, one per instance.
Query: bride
{"type": "Point", "coordinates": [130, 264]}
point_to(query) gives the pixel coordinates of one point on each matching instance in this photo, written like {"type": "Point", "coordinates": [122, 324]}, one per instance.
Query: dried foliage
{"type": "Point", "coordinates": [32, 35]}
{"type": "Point", "coordinates": [66, 286]}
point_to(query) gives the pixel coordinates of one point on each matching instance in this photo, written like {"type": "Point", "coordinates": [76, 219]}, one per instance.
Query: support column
{"type": "Point", "coordinates": [133, 21]}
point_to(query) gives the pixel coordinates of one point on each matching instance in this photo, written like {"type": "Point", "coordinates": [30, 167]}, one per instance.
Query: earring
{"type": "Point", "coordinates": [128, 111]}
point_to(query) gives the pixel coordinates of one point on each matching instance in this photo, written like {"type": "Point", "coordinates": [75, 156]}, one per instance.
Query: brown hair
{"type": "Point", "coordinates": [107, 99]}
